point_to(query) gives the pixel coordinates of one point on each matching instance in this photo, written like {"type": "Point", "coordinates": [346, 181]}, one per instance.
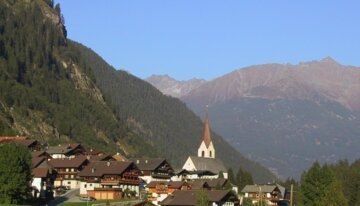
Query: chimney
{"type": "Point", "coordinates": [137, 161]}
{"type": "Point", "coordinates": [146, 161]}
{"type": "Point", "coordinates": [108, 163]}
{"type": "Point", "coordinates": [92, 170]}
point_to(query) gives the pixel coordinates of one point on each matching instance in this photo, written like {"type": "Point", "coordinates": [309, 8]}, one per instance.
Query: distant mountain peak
{"type": "Point", "coordinates": [170, 86]}
{"type": "Point", "coordinates": [328, 59]}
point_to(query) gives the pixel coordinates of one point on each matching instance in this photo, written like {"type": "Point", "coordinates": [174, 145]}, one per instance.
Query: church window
{"type": "Point", "coordinates": [203, 153]}
{"type": "Point", "coordinates": [210, 154]}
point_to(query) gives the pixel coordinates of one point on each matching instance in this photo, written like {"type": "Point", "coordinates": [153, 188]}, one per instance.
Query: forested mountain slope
{"type": "Point", "coordinates": [47, 90]}
{"type": "Point", "coordinates": [163, 121]}
{"type": "Point", "coordinates": [54, 89]}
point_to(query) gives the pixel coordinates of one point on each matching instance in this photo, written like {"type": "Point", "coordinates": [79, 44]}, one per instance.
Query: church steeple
{"type": "Point", "coordinates": [206, 137]}
{"type": "Point", "coordinates": [206, 148]}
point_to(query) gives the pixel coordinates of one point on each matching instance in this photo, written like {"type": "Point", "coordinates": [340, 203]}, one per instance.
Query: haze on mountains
{"type": "Point", "coordinates": [54, 89]}
{"type": "Point", "coordinates": [286, 116]}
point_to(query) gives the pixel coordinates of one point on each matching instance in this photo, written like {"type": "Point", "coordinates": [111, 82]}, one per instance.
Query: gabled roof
{"type": "Point", "coordinates": [148, 164]}
{"type": "Point", "coordinates": [170, 184]}
{"type": "Point", "coordinates": [68, 163]}
{"type": "Point", "coordinates": [40, 172]}
{"type": "Point", "coordinates": [63, 149]}
{"type": "Point", "coordinates": [188, 197]}
{"type": "Point", "coordinates": [259, 188]}
{"type": "Point", "coordinates": [211, 164]}
{"type": "Point", "coordinates": [212, 183]}
{"type": "Point", "coordinates": [206, 136]}
{"type": "Point", "coordinates": [119, 157]}
{"type": "Point", "coordinates": [102, 157]}
{"type": "Point", "coordinates": [36, 161]}
{"type": "Point", "coordinates": [100, 168]}
{"type": "Point", "coordinates": [26, 142]}
{"type": "Point", "coordinates": [198, 185]}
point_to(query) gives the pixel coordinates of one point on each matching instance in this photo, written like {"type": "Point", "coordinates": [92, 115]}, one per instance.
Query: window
{"type": "Point", "coordinates": [69, 183]}
{"type": "Point", "coordinates": [210, 154]}
{"type": "Point", "coordinates": [66, 176]}
{"type": "Point", "coordinates": [203, 153]}
{"type": "Point", "coordinates": [90, 185]}
{"type": "Point", "coordinates": [85, 186]}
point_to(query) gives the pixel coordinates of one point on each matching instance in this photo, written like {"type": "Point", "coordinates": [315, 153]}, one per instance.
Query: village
{"type": "Point", "coordinates": [100, 176]}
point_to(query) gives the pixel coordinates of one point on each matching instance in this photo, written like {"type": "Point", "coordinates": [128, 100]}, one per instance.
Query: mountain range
{"type": "Point", "coordinates": [286, 116]}
{"type": "Point", "coordinates": [172, 87]}
{"type": "Point", "coordinates": [58, 90]}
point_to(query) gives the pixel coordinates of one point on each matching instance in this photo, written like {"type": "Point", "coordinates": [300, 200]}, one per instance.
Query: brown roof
{"type": "Point", "coordinates": [212, 183]}
{"type": "Point", "coordinates": [102, 157]}
{"type": "Point", "coordinates": [39, 153]}
{"type": "Point", "coordinates": [119, 157]}
{"type": "Point", "coordinates": [26, 142]}
{"type": "Point", "coordinates": [188, 197]}
{"type": "Point", "coordinates": [170, 184]}
{"type": "Point", "coordinates": [68, 163]}
{"type": "Point", "coordinates": [11, 138]}
{"type": "Point", "coordinates": [206, 137]}
{"type": "Point", "coordinates": [100, 168]}
{"type": "Point", "coordinates": [36, 161]}
{"type": "Point", "coordinates": [40, 172]}
{"type": "Point", "coordinates": [149, 164]}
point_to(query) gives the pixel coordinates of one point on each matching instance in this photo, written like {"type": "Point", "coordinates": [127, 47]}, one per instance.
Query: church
{"type": "Point", "coordinates": [206, 161]}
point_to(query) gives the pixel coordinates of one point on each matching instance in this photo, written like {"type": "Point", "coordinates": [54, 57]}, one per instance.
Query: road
{"type": "Point", "coordinates": [68, 196]}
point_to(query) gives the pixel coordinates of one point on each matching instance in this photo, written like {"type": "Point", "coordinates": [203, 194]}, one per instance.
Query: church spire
{"type": "Point", "coordinates": [206, 132]}
{"type": "Point", "coordinates": [206, 148]}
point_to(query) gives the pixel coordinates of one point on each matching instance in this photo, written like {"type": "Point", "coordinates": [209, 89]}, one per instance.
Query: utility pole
{"type": "Point", "coordinates": [291, 195]}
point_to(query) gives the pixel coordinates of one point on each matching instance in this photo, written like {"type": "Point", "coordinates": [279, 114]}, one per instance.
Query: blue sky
{"type": "Point", "coordinates": [208, 38]}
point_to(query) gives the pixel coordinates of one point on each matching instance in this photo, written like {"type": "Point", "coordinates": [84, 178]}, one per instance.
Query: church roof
{"type": "Point", "coordinates": [211, 164]}
{"type": "Point", "coordinates": [206, 137]}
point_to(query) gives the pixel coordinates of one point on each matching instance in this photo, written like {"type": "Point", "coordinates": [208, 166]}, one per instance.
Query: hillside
{"type": "Point", "coordinates": [57, 90]}
{"type": "Point", "coordinates": [164, 122]}
{"type": "Point", "coordinates": [172, 87]}
{"type": "Point", "coordinates": [286, 116]}
{"type": "Point", "coordinates": [47, 90]}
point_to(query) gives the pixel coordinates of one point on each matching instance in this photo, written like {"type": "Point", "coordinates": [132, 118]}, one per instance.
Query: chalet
{"type": "Point", "coordinates": [206, 161]}
{"type": "Point", "coordinates": [66, 151]}
{"type": "Point", "coordinates": [272, 194]}
{"type": "Point", "coordinates": [42, 182]}
{"type": "Point", "coordinates": [109, 180]}
{"type": "Point", "coordinates": [189, 197]}
{"type": "Point", "coordinates": [211, 184]}
{"type": "Point", "coordinates": [31, 144]}
{"type": "Point", "coordinates": [43, 176]}
{"type": "Point", "coordinates": [159, 190]}
{"type": "Point", "coordinates": [67, 171]}
{"type": "Point", "coordinates": [119, 157]}
{"type": "Point", "coordinates": [154, 169]}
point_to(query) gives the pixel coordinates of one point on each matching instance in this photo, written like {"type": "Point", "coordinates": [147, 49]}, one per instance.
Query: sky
{"type": "Point", "coordinates": [207, 38]}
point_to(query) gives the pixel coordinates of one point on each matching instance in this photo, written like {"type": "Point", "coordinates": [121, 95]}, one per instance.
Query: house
{"type": "Point", "coordinates": [211, 184]}
{"type": "Point", "coordinates": [42, 182]}
{"type": "Point", "coordinates": [66, 151]}
{"type": "Point", "coordinates": [159, 190]}
{"type": "Point", "coordinates": [189, 197]}
{"type": "Point", "coordinates": [206, 161]}
{"type": "Point", "coordinates": [119, 157]}
{"type": "Point", "coordinates": [100, 157]}
{"type": "Point", "coordinates": [43, 176]}
{"type": "Point", "coordinates": [272, 194]}
{"type": "Point", "coordinates": [109, 179]}
{"type": "Point", "coordinates": [67, 171]}
{"type": "Point", "coordinates": [154, 169]}
{"type": "Point", "coordinates": [31, 144]}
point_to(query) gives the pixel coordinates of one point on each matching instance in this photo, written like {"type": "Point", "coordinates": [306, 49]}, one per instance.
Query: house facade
{"type": "Point", "coordinates": [154, 169]}
{"type": "Point", "coordinates": [157, 191]}
{"type": "Point", "coordinates": [110, 179]}
{"type": "Point", "coordinates": [271, 194]}
{"type": "Point", "coordinates": [67, 171]}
